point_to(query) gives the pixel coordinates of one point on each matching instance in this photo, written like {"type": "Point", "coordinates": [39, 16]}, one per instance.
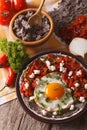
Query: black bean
{"type": "Point", "coordinates": [23, 30]}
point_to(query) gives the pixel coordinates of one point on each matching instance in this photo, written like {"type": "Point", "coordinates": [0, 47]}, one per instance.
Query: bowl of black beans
{"type": "Point", "coordinates": [30, 35]}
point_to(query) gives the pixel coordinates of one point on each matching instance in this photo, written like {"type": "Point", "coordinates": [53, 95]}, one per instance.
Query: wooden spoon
{"type": "Point", "coordinates": [36, 18]}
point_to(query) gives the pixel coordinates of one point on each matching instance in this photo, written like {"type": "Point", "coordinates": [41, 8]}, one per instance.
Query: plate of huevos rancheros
{"type": "Point", "coordinates": [52, 86]}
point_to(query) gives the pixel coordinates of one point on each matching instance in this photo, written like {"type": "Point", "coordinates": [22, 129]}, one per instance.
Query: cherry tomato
{"type": "Point", "coordinates": [3, 60]}
{"type": "Point", "coordinates": [5, 17]}
{"type": "Point", "coordinates": [5, 4]}
{"type": "Point", "coordinates": [19, 4]}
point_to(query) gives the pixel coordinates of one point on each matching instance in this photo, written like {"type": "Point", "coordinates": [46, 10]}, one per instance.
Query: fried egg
{"type": "Point", "coordinates": [52, 94]}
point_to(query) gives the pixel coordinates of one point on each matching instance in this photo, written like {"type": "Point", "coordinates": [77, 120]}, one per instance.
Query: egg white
{"type": "Point", "coordinates": [47, 104]}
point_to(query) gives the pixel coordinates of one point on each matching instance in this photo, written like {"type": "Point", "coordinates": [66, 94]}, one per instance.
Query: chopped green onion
{"type": "Point", "coordinates": [43, 104]}
{"type": "Point", "coordinates": [47, 100]}
{"type": "Point", "coordinates": [59, 109]}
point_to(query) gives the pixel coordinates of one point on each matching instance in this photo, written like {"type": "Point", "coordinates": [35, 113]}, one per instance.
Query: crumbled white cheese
{"type": "Point", "coordinates": [82, 99]}
{"type": "Point", "coordinates": [48, 63]}
{"type": "Point", "coordinates": [31, 98]}
{"type": "Point", "coordinates": [52, 68]}
{"type": "Point", "coordinates": [37, 81]}
{"type": "Point", "coordinates": [26, 85]}
{"type": "Point", "coordinates": [55, 113]}
{"type": "Point", "coordinates": [72, 107]}
{"type": "Point", "coordinates": [70, 73]}
{"type": "Point", "coordinates": [78, 72]}
{"type": "Point", "coordinates": [76, 84]}
{"type": "Point", "coordinates": [36, 71]}
{"type": "Point", "coordinates": [62, 61]}
{"type": "Point", "coordinates": [85, 86]}
{"type": "Point", "coordinates": [40, 95]}
{"type": "Point", "coordinates": [61, 64]}
{"type": "Point", "coordinates": [69, 90]}
{"type": "Point", "coordinates": [44, 112]}
{"type": "Point", "coordinates": [32, 75]}
{"type": "Point", "coordinates": [49, 109]}
{"type": "Point", "coordinates": [72, 88]}
{"type": "Point", "coordinates": [62, 69]}
{"type": "Point", "coordinates": [42, 59]}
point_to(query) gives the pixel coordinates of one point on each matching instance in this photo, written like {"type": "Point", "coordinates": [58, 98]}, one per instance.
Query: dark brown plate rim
{"type": "Point", "coordinates": [39, 118]}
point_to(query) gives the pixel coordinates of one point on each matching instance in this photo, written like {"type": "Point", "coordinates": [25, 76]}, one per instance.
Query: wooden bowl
{"type": "Point", "coordinates": [36, 42]}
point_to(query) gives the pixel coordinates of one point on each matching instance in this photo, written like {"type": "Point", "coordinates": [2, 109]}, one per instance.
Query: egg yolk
{"type": "Point", "coordinates": [54, 91]}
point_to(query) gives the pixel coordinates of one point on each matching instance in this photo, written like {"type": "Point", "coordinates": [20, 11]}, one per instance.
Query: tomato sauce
{"type": "Point", "coordinates": [72, 73]}
{"type": "Point", "coordinates": [78, 28]}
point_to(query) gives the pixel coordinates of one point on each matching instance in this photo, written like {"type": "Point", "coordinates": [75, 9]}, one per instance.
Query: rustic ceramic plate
{"type": "Point", "coordinates": [35, 111]}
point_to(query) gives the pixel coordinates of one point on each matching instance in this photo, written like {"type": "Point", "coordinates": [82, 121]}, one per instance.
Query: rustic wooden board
{"type": "Point", "coordinates": [13, 117]}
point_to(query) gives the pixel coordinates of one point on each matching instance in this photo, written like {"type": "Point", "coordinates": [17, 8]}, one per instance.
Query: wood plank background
{"type": "Point", "coordinates": [13, 117]}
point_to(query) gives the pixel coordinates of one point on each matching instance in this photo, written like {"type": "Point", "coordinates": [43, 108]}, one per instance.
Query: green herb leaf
{"type": "Point", "coordinates": [57, 77]}
{"type": "Point", "coordinates": [59, 109]}
{"type": "Point", "coordinates": [75, 99]}
{"type": "Point", "coordinates": [43, 104]}
{"type": "Point", "coordinates": [15, 52]}
{"type": "Point", "coordinates": [47, 100]}
{"type": "Point", "coordinates": [49, 75]}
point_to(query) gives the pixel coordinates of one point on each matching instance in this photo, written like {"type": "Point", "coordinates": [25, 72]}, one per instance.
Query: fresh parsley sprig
{"type": "Point", "coordinates": [15, 52]}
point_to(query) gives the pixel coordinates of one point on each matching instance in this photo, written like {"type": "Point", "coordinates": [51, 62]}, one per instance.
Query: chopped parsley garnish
{"type": "Point", "coordinates": [58, 77]}
{"type": "Point", "coordinates": [75, 99]}
{"type": "Point", "coordinates": [40, 92]}
{"type": "Point", "coordinates": [37, 96]}
{"type": "Point", "coordinates": [43, 104]}
{"type": "Point", "coordinates": [63, 101]}
{"type": "Point", "coordinates": [59, 109]}
{"type": "Point", "coordinates": [65, 85]}
{"type": "Point", "coordinates": [49, 75]}
{"type": "Point", "coordinates": [46, 82]}
{"type": "Point", "coordinates": [53, 61]}
{"type": "Point", "coordinates": [47, 100]}
{"type": "Point", "coordinates": [68, 95]}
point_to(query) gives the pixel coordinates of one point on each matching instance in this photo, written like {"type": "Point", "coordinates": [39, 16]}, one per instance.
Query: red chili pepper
{"type": "Point", "coordinates": [3, 61]}
{"type": "Point", "coordinates": [11, 76]}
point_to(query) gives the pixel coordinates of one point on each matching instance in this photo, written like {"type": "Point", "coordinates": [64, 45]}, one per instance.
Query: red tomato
{"type": "Point", "coordinates": [19, 4]}
{"type": "Point", "coordinates": [5, 17]}
{"type": "Point", "coordinates": [5, 4]}
{"type": "Point", "coordinates": [3, 60]}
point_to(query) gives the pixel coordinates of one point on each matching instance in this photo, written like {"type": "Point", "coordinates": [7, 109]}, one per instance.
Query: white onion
{"type": "Point", "coordinates": [78, 46]}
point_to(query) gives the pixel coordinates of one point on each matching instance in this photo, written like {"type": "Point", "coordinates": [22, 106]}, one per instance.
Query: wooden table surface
{"type": "Point", "coordinates": [13, 117]}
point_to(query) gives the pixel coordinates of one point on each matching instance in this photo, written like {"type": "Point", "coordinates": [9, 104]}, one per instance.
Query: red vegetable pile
{"type": "Point", "coordinates": [8, 8]}
{"type": "Point", "coordinates": [78, 28]}
{"type": "Point", "coordinates": [11, 74]}
{"type": "Point", "coordinates": [76, 81]}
